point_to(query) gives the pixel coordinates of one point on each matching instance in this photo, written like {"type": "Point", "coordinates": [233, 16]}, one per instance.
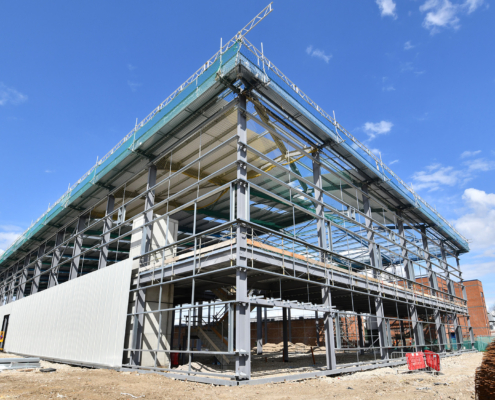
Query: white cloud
{"type": "Point", "coordinates": [472, 5]}
{"type": "Point", "coordinates": [480, 164]}
{"type": "Point", "coordinates": [408, 45]}
{"type": "Point", "coordinates": [479, 223]}
{"type": "Point", "coordinates": [49, 171]}
{"type": "Point", "coordinates": [10, 95]}
{"type": "Point", "coordinates": [376, 152]}
{"type": "Point", "coordinates": [8, 234]}
{"type": "Point", "coordinates": [393, 162]}
{"type": "Point", "coordinates": [468, 153]}
{"type": "Point", "coordinates": [387, 8]}
{"type": "Point", "coordinates": [388, 88]}
{"type": "Point", "coordinates": [133, 85]}
{"type": "Point", "coordinates": [437, 175]}
{"type": "Point", "coordinates": [445, 14]}
{"type": "Point", "coordinates": [131, 67]}
{"type": "Point", "coordinates": [318, 54]}
{"type": "Point", "coordinates": [373, 129]}
{"type": "Point", "coordinates": [409, 67]}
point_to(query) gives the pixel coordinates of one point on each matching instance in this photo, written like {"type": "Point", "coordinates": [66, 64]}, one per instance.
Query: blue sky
{"type": "Point", "coordinates": [413, 79]}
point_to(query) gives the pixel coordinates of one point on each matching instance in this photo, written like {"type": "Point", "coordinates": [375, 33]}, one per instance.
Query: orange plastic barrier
{"type": "Point", "coordinates": [415, 361]}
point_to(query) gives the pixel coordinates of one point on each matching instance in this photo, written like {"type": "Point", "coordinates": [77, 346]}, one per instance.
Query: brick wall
{"type": "Point", "coordinates": [477, 308]}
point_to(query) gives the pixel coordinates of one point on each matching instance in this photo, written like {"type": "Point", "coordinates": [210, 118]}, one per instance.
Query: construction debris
{"type": "Point", "coordinates": [485, 375]}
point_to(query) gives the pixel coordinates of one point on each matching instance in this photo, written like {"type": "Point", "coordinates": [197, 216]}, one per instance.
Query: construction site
{"type": "Point", "coordinates": [237, 235]}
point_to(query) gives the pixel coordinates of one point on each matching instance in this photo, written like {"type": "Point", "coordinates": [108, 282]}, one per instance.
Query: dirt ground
{"type": "Point", "coordinates": [456, 382]}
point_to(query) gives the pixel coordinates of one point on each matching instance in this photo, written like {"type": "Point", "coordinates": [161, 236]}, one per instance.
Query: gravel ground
{"type": "Point", "coordinates": [456, 382]}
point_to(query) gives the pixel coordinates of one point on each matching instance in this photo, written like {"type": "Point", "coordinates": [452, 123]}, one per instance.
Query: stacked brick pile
{"type": "Point", "coordinates": [485, 375]}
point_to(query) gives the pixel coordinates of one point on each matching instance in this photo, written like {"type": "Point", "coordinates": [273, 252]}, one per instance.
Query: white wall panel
{"type": "Point", "coordinates": [81, 321]}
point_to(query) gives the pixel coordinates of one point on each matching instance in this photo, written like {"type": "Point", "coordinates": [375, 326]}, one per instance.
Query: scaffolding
{"type": "Point", "coordinates": [236, 196]}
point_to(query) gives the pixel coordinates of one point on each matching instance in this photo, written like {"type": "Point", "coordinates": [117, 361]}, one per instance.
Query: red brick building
{"type": "Point", "coordinates": [477, 308]}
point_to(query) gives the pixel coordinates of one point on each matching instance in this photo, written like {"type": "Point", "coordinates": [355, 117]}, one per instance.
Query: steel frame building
{"type": "Point", "coordinates": [235, 195]}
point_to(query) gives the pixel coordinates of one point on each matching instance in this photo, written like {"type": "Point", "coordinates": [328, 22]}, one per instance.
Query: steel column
{"type": "Point", "coordinates": [37, 269]}
{"type": "Point", "coordinates": [328, 324]}
{"type": "Point", "coordinates": [320, 224]}
{"type": "Point", "coordinates": [266, 324]}
{"type": "Point", "coordinates": [24, 276]}
{"type": "Point", "coordinates": [242, 309]}
{"type": "Point", "coordinates": [432, 278]}
{"type": "Point", "coordinates": [140, 301]}
{"type": "Point", "coordinates": [370, 235]}
{"type": "Point", "coordinates": [285, 339]}
{"type": "Point", "coordinates": [78, 241]}
{"type": "Point", "coordinates": [107, 225]}
{"type": "Point", "coordinates": [360, 330]}
{"type": "Point", "coordinates": [414, 322]}
{"type": "Point", "coordinates": [382, 329]}
{"type": "Point", "coordinates": [56, 256]}
{"type": "Point", "coordinates": [259, 330]}
{"type": "Point", "coordinates": [148, 215]}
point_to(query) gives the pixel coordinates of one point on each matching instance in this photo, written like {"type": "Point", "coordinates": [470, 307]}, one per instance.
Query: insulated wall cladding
{"type": "Point", "coordinates": [81, 321]}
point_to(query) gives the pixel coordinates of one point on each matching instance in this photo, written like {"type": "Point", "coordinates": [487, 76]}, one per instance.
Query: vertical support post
{"type": "Point", "coordinates": [445, 267]}
{"type": "Point", "coordinates": [180, 328]}
{"type": "Point", "coordinates": [24, 276]}
{"type": "Point", "coordinates": [266, 324]}
{"type": "Point", "coordinates": [137, 331]}
{"type": "Point", "coordinates": [432, 278]}
{"type": "Point", "coordinates": [56, 256]}
{"type": "Point", "coordinates": [107, 225]}
{"type": "Point", "coordinates": [10, 286]}
{"type": "Point", "coordinates": [338, 331]}
{"type": "Point", "coordinates": [259, 333]}
{"type": "Point", "coordinates": [458, 332]}
{"type": "Point", "coordinates": [10, 289]}
{"type": "Point", "coordinates": [402, 333]}
{"type": "Point", "coordinates": [408, 269]}
{"type": "Point", "coordinates": [413, 312]}
{"type": "Point", "coordinates": [140, 301]}
{"type": "Point", "coordinates": [37, 269]}
{"type": "Point", "coordinates": [382, 328]}
{"type": "Point", "coordinates": [289, 325]}
{"type": "Point", "coordinates": [78, 241]}
{"type": "Point", "coordinates": [370, 234]}
{"type": "Point", "coordinates": [317, 326]}
{"type": "Point", "coordinates": [172, 334]}
{"type": "Point", "coordinates": [361, 336]}
{"type": "Point", "coordinates": [328, 324]}
{"type": "Point", "coordinates": [284, 335]}
{"type": "Point", "coordinates": [243, 323]}
{"type": "Point", "coordinates": [320, 223]}
{"type": "Point", "coordinates": [148, 215]}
